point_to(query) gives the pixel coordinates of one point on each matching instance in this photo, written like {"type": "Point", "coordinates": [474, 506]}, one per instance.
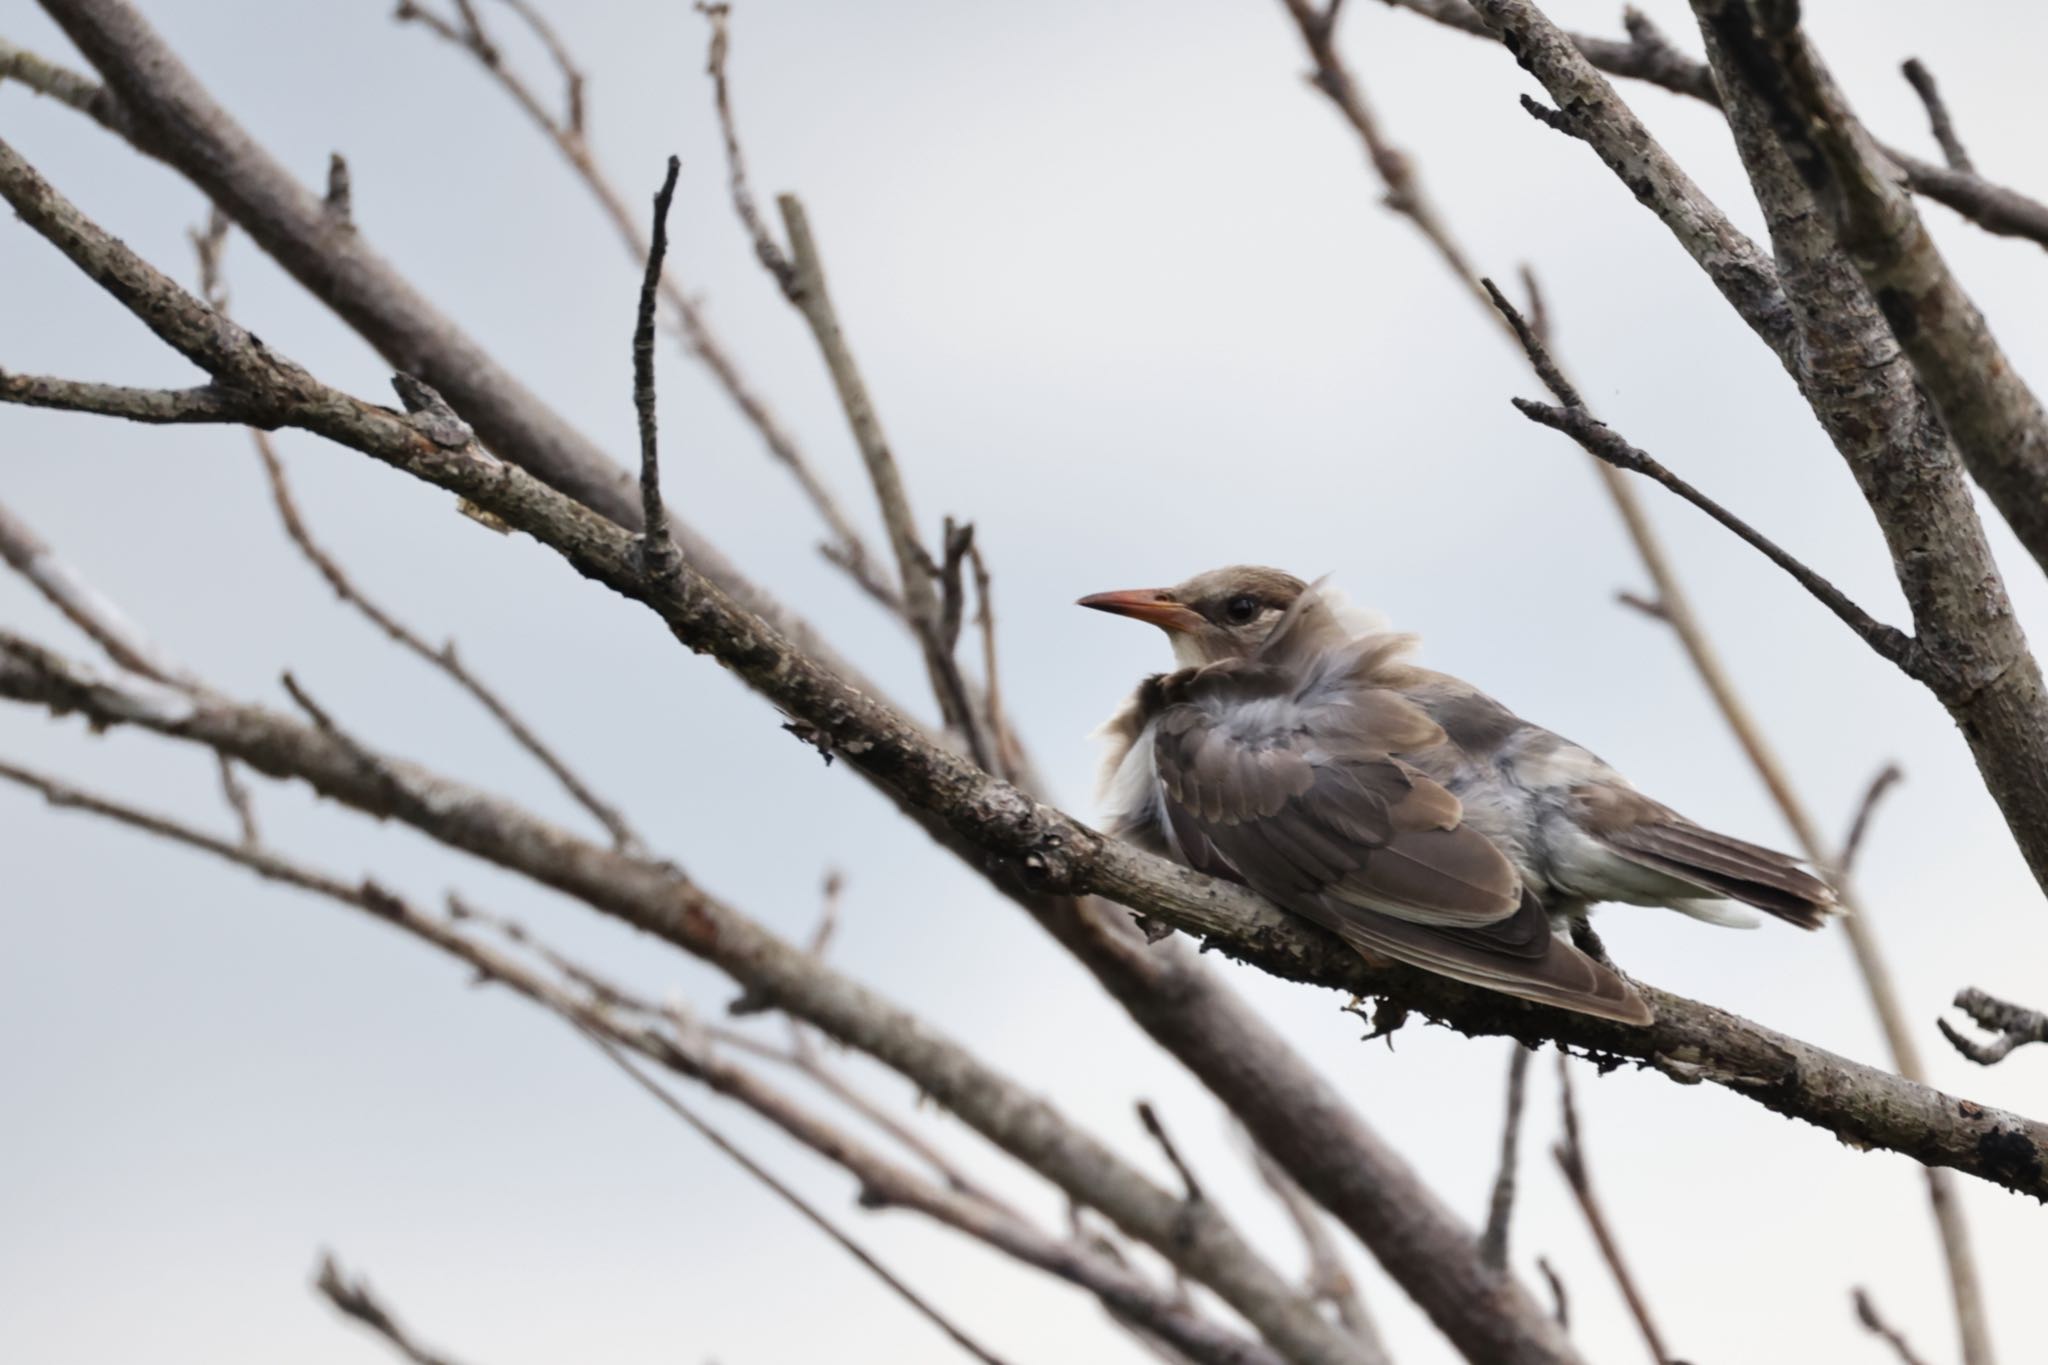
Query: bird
{"type": "Point", "coordinates": [1297, 749]}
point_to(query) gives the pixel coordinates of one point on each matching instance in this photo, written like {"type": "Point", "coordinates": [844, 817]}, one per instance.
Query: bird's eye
{"type": "Point", "coordinates": [1241, 609]}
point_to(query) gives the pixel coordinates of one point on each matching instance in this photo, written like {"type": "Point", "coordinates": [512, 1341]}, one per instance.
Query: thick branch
{"type": "Point", "coordinates": [803, 1206]}
{"type": "Point", "coordinates": [1646, 57]}
{"type": "Point", "coordinates": [1996, 421]}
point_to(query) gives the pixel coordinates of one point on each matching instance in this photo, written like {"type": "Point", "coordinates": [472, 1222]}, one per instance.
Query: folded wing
{"type": "Point", "coordinates": [1301, 790]}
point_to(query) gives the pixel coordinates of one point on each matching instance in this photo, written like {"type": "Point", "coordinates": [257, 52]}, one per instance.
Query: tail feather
{"type": "Point", "coordinates": [1768, 880]}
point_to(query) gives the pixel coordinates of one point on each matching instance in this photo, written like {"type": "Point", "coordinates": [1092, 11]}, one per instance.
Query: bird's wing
{"type": "Point", "coordinates": [1306, 796]}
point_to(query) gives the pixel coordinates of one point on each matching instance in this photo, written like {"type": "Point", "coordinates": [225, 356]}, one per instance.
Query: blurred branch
{"type": "Point", "coordinates": [844, 545]}
{"type": "Point", "coordinates": [800, 274]}
{"type": "Point", "coordinates": [353, 1299]}
{"type": "Point", "coordinates": [1570, 1154]}
{"type": "Point", "coordinates": [103, 623]}
{"type": "Point", "coordinates": [1866, 1313]}
{"type": "Point", "coordinates": [1327, 1278]}
{"type": "Point", "coordinates": [1493, 1242]}
{"type": "Point", "coordinates": [1852, 843]}
{"type": "Point", "coordinates": [687, 1053]}
{"type": "Point", "coordinates": [790, 1197]}
{"type": "Point", "coordinates": [1922, 80]}
{"type": "Point", "coordinates": [2014, 1026]}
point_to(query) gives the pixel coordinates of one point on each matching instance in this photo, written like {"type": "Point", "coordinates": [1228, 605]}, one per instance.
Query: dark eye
{"type": "Point", "coordinates": [1241, 609]}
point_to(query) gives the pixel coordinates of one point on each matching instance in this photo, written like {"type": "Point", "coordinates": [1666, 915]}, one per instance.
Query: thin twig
{"type": "Point", "coordinates": [1150, 1118]}
{"type": "Point", "coordinates": [29, 555]}
{"type": "Point", "coordinates": [1007, 754]}
{"type": "Point", "coordinates": [1867, 1314]}
{"type": "Point", "coordinates": [800, 274]}
{"type": "Point", "coordinates": [1887, 777]}
{"type": "Point", "coordinates": [239, 801]}
{"type": "Point", "coordinates": [339, 203]}
{"type": "Point", "coordinates": [788, 1195]}
{"type": "Point", "coordinates": [443, 657]}
{"type": "Point", "coordinates": [2015, 1026]}
{"type": "Point", "coordinates": [1570, 1154]}
{"type": "Point", "coordinates": [1561, 1304]}
{"type": "Point", "coordinates": [353, 1298]}
{"type": "Point", "coordinates": [1602, 442]}
{"type": "Point", "coordinates": [770, 252]}
{"type": "Point", "coordinates": [656, 548]}
{"type": "Point", "coordinates": [845, 546]}
{"type": "Point", "coordinates": [1922, 80]}
{"type": "Point", "coordinates": [1493, 1243]}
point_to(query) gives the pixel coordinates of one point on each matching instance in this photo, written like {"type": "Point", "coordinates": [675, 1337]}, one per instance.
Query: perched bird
{"type": "Point", "coordinates": [1406, 811]}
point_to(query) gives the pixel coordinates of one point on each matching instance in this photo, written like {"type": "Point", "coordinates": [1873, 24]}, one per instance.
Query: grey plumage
{"type": "Point", "coordinates": [1400, 808]}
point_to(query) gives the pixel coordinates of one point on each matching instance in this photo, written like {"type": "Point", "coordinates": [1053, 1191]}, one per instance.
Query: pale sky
{"type": "Point", "coordinates": [1126, 298]}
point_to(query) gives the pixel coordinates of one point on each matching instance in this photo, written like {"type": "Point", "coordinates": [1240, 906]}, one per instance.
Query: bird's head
{"type": "Point", "coordinates": [1223, 614]}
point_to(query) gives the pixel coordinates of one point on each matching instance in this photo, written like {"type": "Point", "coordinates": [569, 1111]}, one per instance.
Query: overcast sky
{"type": "Point", "coordinates": [1126, 298]}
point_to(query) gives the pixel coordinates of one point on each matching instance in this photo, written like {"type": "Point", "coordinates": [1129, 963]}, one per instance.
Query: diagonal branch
{"type": "Point", "coordinates": [1605, 444]}
{"type": "Point", "coordinates": [687, 1054]}
{"type": "Point", "coordinates": [353, 1298]}
{"type": "Point", "coordinates": [789, 1196]}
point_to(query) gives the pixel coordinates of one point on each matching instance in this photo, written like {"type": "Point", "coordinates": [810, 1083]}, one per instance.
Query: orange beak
{"type": "Point", "coordinates": [1155, 605]}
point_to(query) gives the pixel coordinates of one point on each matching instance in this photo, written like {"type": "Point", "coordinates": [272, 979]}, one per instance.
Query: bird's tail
{"type": "Point", "coordinates": [1723, 866]}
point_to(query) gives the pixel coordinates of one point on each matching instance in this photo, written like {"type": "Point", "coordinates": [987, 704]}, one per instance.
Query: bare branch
{"type": "Point", "coordinates": [1570, 1154]}
{"type": "Point", "coordinates": [1997, 422]}
{"type": "Point", "coordinates": [65, 86]}
{"type": "Point", "coordinates": [1887, 777]}
{"type": "Point", "coordinates": [656, 549]}
{"type": "Point", "coordinates": [1604, 443]}
{"type": "Point", "coordinates": [1150, 1118]}
{"type": "Point", "coordinates": [790, 1197]}
{"type": "Point", "coordinates": [1922, 80]}
{"type": "Point", "coordinates": [353, 1299]}
{"type": "Point", "coordinates": [340, 203]}
{"type": "Point", "coordinates": [1327, 1278]}
{"type": "Point", "coordinates": [800, 274]}
{"type": "Point", "coordinates": [1122, 1291]}
{"type": "Point", "coordinates": [1561, 1301]}
{"type": "Point", "coordinates": [1994, 208]}
{"type": "Point", "coordinates": [1493, 1243]}
{"type": "Point", "coordinates": [29, 555]}
{"type": "Point", "coordinates": [236, 794]}
{"type": "Point", "coordinates": [444, 657]}
{"type": "Point", "coordinates": [1866, 1313]}
{"type": "Point", "coordinates": [208, 403]}
{"type": "Point", "coordinates": [2014, 1025]}
{"type": "Point", "coordinates": [845, 547]}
